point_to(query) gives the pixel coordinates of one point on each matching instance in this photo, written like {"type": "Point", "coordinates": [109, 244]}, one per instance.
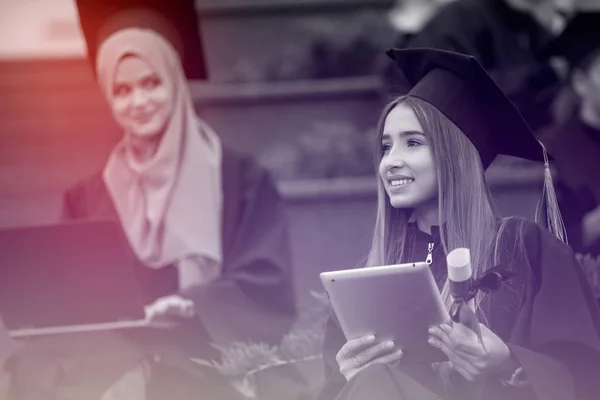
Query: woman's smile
{"type": "Point", "coordinates": [399, 183]}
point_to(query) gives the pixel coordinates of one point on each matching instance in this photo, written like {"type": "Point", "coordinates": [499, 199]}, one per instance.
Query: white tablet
{"type": "Point", "coordinates": [395, 302]}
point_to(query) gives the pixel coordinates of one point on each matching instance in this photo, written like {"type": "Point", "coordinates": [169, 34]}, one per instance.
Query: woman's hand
{"type": "Point", "coordinates": [358, 354]}
{"type": "Point", "coordinates": [469, 357]}
{"type": "Point", "coordinates": [162, 311]}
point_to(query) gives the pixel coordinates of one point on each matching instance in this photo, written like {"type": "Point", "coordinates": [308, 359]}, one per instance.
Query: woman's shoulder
{"type": "Point", "coordinates": [532, 233]}
{"type": "Point", "coordinates": [87, 196]}
{"type": "Point", "coordinates": [89, 185]}
{"type": "Point", "coordinates": [243, 168]}
{"type": "Point", "coordinates": [541, 248]}
{"type": "Point", "coordinates": [239, 162]}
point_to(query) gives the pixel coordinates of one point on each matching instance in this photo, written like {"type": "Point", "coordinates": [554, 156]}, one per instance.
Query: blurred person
{"type": "Point", "coordinates": [206, 224]}
{"type": "Point", "coordinates": [508, 38]}
{"type": "Point", "coordinates": [574, 139]}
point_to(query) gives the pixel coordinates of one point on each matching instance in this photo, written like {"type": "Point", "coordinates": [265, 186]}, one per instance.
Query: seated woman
{"type": "Point", "coordinates": [205, 222]}
{"type": "Point", "coordinates": [540, 329]}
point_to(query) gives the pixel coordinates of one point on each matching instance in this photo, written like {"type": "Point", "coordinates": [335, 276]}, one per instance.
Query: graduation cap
{"type": "Point", "coordinates": [176, 21]}
{"type": "Point", "coordinates": [579, 43]}
{"type": "Point", "coordinates": [459, 87]}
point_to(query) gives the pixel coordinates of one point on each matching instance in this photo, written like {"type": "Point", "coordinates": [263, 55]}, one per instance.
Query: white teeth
{"type": "Point", "coordinates": [401, 182]}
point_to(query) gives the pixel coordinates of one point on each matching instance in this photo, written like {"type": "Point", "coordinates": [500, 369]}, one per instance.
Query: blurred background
{"type": "Point", "coordinates": [317, 65]}
{"type": "Point", "coordinates": [300, 85]}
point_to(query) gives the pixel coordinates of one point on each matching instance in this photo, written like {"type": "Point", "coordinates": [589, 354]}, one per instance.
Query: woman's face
{"type": "Point", "coordinates": [407, 168]}
{"type": "Point", "coordinates": [141, 100]}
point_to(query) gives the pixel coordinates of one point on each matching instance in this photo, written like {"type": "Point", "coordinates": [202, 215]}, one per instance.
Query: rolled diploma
{"type": "Point", "coordinates": [460, 275]}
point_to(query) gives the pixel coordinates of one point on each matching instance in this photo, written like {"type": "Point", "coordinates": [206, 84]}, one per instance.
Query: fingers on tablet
{"type": "Point", "coordinates": [361, 342]}
{"type": "Point", "coordinates": [367, 339]}
{"type": "Point", "coordinates": [381, 354]}
{"type": "Point", "coordinates": [354, 346]}
{"type": "Point", "coordinates": [360, 353]}
{"type": "Point", "coordinates": [391, 358]}
{"type": "Point", "coordinates": [374, 352]}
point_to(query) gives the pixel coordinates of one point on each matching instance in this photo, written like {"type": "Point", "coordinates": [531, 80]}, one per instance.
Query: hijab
{"type": "Point", "coordinates": [170, 205]}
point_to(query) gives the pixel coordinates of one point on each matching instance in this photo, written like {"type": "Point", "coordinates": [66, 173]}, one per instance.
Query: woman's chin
{"type": "Point", "coordinates": [146, 133]}
{"type": "Point", "coordinates": [401, 203]}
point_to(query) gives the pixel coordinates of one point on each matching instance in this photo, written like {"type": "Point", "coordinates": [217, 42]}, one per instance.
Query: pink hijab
{"type": "Point", "coordinates": [171, 205]}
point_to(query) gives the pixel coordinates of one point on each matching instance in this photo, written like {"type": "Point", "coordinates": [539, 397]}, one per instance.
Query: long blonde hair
{"type": "Point", "coordinates": [465, 205]}
{"type": "Point", "coordinates": [464, 199]}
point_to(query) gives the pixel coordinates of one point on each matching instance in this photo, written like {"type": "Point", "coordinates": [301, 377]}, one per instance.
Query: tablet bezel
{"type": "Point", "coordinates": [358, 295]}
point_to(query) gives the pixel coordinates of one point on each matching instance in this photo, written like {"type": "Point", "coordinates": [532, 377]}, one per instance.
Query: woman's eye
{"type": "Point", "coordinates": [413, 142]}
{"type": "Point", "coordinates": [386, 147]}
{"type": "Point", "coordinates": [121, 90]}
{"type": "Point", "coordinates": [151, 83]}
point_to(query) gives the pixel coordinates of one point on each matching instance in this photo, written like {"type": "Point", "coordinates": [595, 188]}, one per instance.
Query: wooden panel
{"type": "Point", "coordinates": [45, 103]}
{"type": "Point", "coordinates": [53, 74]}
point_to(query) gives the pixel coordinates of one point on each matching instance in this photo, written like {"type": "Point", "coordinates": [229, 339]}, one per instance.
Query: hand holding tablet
{"type": "Point", "coordinates": [397, 303]}
{"type": "Point", "coordinates": [360, 353]}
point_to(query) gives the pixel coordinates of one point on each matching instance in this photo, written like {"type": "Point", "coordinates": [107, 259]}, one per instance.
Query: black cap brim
{"type": "Point", "coordinates": [175, 20]}
{"type": "Point", "coordinates": [459, 87]}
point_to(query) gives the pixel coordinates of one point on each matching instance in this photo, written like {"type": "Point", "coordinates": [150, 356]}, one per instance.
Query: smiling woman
{"type": "Point", "coordinates": [141, 99]}
{"type": "Point", "coordinates": [436, 143]}
{"type": "Point", "coordinates": [205, 223]}
{"type": "Point", "coordinates": [407, 168]}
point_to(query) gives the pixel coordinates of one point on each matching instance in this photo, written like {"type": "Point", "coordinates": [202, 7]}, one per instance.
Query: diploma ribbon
{"type": "Point", "coordinates": [460, 312]}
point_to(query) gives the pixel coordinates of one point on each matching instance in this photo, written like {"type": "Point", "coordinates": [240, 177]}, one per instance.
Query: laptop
{"type": "Point", "coordinates": [68, 278]}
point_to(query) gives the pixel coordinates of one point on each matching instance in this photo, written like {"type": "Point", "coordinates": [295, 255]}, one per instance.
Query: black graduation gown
{"type": "Point", "coordinates": [252, 301]}
{"type": "Point", "coordinates": [546, 315]}
{"type": "Point", "coordinates": [508, 44]}
{"type": "Point", "coordinates": [254, 298]}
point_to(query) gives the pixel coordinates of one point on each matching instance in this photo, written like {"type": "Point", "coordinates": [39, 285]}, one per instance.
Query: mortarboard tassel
{"type": "Point", "coordinates": [554, 220]}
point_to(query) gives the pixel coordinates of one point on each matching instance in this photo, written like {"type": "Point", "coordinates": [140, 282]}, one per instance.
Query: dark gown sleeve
{"type": "Point", "coordinates": [556, 333]}
{"type": "Point", "coordinates": [71, 199]}
{"type": "Point", "coordinates": [88, 198]}
{"type": "Point", "coordinates": [253, 300]}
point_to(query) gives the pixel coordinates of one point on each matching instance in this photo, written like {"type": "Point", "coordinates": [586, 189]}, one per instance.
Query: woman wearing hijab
{"type": "Point", "coordinates": [540, 330]}
{"type": "Point", "coordinates": [206, 224]}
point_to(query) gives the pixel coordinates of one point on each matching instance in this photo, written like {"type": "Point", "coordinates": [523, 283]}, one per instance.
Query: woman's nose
{"type": "Point", "coordinates": [138, 98]}
{"type": "Point", "coordinates": [393, 161]}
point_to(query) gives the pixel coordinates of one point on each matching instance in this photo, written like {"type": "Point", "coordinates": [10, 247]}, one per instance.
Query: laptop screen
{"type": "Point", "coordinates": [67, 274]}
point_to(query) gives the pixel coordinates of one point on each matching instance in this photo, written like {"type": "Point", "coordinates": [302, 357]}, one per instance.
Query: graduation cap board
{"type": "Point", "coordinates": [459, 87]}
{"type": "Point", "coordinates": [579, 43]}
{"type": "Point", "coordinates": [176, 21]}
